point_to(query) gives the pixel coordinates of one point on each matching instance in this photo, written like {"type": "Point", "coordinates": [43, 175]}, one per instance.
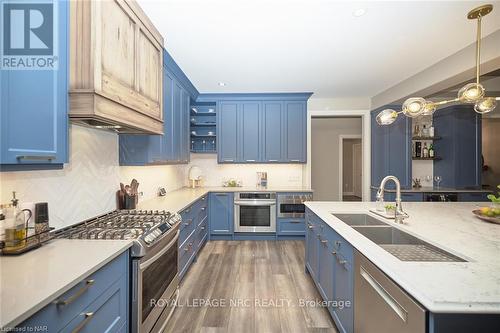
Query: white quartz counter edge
{"type": "Point", "coordinates": [178, 200]}
{"type": "Point", "coordinates": [424, 281]}
{"type": "Point", "coordinates": [32, 280]}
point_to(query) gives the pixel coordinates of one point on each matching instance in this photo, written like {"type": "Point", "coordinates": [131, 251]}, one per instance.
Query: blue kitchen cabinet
{"type": "Point", "coordinates": [400, 162]}
{"type": "Point", "coordinates": [104, 294]}
{"type": "Point", "coordinates": [326, 267]}
{"type": "Point", "coordinates": [295, 132]}
{"type": "Point", "coordinates": [173, 146]}
{"type": "Point", "coordinates": [311, 244]}
{"type": "Point", "coordinates": [459, 127]}
{"type": "Point", "coordinates": [391, 150]}
{"type": "Point", "coordinates": [330, 262]}
{"type": "Point", "coordinates": [221, 211]}
{"type": "Point", "coordinates": [193, 233]}
{"type": "Point", "coordinates": [34, 106]}
{"type": "Point", "coordinates": [258, 128]}
{"type": "Point", "coordinates": [343, 284]}
{"type": "Point", "coordinates": [379, 150]}
{"type": "Point", "coordinates": [227, 125]}
{"type": "Point", "coordinates": [272, 132]}
{"type": "Point", "coordinates": [250, 138]}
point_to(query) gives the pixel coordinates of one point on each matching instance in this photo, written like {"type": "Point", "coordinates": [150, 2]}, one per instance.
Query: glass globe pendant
{"type": "Point", "coordinates": [413, 107]}
{"type": "Point", "coordinates": [386, 117]}
{"type": "Point", "coordinates": [485, 105]}
{"type": "Point", "coordinates": [470, 93]}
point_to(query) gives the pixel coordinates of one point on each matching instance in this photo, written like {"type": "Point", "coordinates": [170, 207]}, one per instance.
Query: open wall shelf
{"type": "Point", "coordinates": [203, 128]}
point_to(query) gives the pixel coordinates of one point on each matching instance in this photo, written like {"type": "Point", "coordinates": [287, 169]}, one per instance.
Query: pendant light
{"type": "Point", "coordinates": [471, 93]}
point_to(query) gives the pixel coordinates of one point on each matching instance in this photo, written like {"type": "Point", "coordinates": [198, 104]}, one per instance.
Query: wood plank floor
{"type": "Point", "coordinates": [257, 284]}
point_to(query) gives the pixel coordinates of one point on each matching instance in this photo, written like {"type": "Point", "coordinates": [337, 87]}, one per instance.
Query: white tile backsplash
{"type": "Point", "coordinates": [278, 175]}
{"type": "Point", "coordinates": [87, 185]}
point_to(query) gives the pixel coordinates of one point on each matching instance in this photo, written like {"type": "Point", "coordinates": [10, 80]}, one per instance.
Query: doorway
{"type": "Point", "coordinates": [350, 167]}
{"type": "Point", "coordinates": [326, 151]}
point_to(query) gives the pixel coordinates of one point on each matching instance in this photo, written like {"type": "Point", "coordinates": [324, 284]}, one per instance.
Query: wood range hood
{"type": "Point", "coordinates": [116, 62]}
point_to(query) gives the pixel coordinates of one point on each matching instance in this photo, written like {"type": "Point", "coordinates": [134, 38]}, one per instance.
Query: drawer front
{"type": "Point", "coordinates": [292, 227]}
{"type": "Point", "coordinates": [188, 223]}
{"type": "Point", "coordinates": [108, 313]}
{"type": "Point", "coordinates": [55, 316]}
{"type": "Point", "coordinates": [186, 254]}
{"type": "Point", "coordinates": [201, 233]}
{"type": "Point", "coordinates": [202, 213]}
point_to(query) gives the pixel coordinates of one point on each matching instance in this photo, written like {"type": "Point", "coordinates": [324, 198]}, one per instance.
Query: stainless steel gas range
{"type": "Point", "coordinates": [154, 252]}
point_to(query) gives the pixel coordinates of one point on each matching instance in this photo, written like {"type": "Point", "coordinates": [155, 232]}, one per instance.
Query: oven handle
{"type": "Point", "coordinates": [255, 203]}
{"type": "Point", "coordinates": [148, 262]}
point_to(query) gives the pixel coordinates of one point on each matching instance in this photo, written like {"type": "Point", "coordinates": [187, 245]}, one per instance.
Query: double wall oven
{"type": "Point", "coordinates": [255, 212]}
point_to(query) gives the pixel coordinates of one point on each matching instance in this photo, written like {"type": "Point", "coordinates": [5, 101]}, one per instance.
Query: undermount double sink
{"type": "Point", "coordinates": [400, 244]}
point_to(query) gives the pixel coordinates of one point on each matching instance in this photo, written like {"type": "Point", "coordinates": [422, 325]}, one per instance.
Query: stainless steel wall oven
{"type": "Point", "coordinates": [255, 212]}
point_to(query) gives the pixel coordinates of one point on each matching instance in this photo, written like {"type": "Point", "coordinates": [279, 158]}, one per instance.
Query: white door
{"type": "Point", "coordinates": [356, 169]}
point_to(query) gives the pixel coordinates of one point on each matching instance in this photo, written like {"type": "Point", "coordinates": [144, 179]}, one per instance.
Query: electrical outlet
{"type": "Point", "coordinates": [293, 178]}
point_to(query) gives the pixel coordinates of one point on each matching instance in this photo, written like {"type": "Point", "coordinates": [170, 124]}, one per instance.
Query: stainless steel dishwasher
{"type": "Point", "coordinates": [382, 306]}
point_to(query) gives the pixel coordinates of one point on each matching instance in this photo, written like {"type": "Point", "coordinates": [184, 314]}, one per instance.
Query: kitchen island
{"type": "Point", "coordinates": [470, 286]}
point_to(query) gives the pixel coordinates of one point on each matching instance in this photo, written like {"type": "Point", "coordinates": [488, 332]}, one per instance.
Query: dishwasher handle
{"type": "Point", "coordinates": [395, 306]}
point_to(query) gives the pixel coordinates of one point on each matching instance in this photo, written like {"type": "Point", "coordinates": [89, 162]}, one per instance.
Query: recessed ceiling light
{"type": "Point", "coordinates": [359, 12]}
{"type": "Point", "coordinates": [222, 84]}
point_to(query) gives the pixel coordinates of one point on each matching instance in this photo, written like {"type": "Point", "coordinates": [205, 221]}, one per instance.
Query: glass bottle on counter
{"type": "Point", "coordinates": [14, 225]}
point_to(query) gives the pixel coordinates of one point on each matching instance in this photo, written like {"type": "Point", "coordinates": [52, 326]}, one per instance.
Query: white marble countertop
{"type": "Point", "coordinates": [458, 287]}
{"type": "Point", "coordinates": [180, 199]}
{"type": "Point", "coordinates": [30, 281]}
{"type": "Point", "coordinates": [430, 189]}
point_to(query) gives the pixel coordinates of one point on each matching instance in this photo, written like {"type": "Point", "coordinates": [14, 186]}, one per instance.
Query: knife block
{"type": "Point", "coordinates": [125, 201]}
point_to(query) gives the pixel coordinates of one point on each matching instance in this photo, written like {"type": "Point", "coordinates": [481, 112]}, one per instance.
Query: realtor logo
{"type": "Point", "coordinates": [29, 35]}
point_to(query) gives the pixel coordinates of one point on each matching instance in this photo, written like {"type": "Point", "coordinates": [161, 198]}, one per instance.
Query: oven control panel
{"type": "Point", "coordinates": [161, 229]}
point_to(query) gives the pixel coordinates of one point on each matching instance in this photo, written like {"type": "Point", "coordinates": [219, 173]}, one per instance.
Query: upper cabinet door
{"type": "Point", "coordinates": [459, 127]}
{"type": "Point", "coordinates": [250, 129]}
{"type": "Point", "coordinates": [295, 131]}
{"type": "Point", "coordinates": [379, 151]}
{"type": "Point", "coordinates": [34, 103]}
{"type": "Point", "coordinates": [227, 126]}
{"type": "Point", "coordinates": [184, 126]}
{"type": "Point", "coordinates": [400, 162]}
{"type": "Point", "coordinates": [272, 131]}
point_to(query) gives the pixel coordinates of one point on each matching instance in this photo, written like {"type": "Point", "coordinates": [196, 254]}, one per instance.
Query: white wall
{"type": "Point", "coordinates": [278, 175]}
{"type": "Point", "coordinates": [347, 103]}
{"type": "Point", "coordinates": [325, 134]}
{"type": "Point", "coordinates": [87, 185]}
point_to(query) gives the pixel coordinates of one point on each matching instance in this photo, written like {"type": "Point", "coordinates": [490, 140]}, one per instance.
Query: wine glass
{"type": "Point", "coordinates": [428, 179]}
{"type": "Point", "coordinates": [438, 180]}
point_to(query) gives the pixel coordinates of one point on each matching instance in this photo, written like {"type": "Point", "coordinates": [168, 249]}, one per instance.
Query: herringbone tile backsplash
{"type": "Point", "coordinates": [87, 185]}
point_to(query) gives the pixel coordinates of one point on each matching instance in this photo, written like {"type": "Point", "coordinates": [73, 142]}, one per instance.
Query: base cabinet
{"type": "Point", "coordinates": [99, 303]}
{"type": "Point", "coordinates": [221, 213]}
{"type": "Point", "coordinates": [329, 260]}
{"type": "Point", "coordinates": [193, 233]}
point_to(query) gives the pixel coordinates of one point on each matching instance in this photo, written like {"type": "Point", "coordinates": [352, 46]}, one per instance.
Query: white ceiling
{"type": "Point", "coordinates": [311, 45]}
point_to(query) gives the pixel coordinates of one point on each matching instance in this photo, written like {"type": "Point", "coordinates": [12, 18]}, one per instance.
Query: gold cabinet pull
{"type": "Point", "coordinates": [73, 297]}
